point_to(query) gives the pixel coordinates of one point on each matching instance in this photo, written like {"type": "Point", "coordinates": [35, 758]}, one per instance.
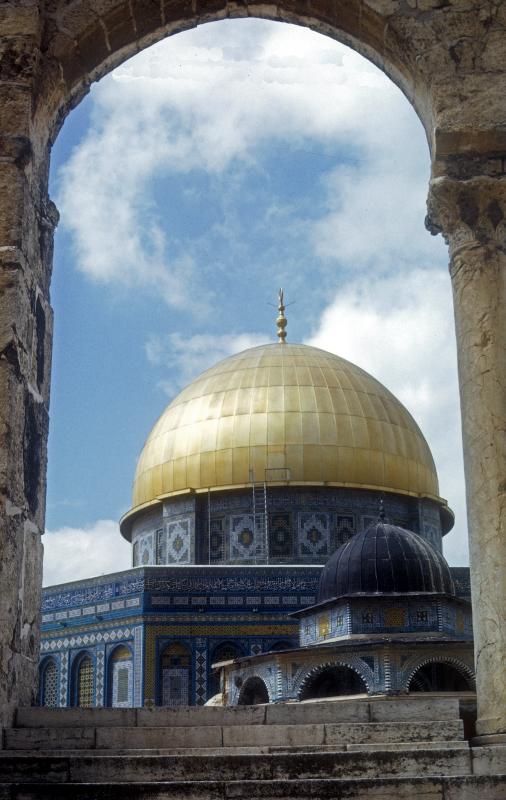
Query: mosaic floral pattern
{"type": "Point", "coordinates": [145, 550]}
{"type": "Point", "coordinates": [313, 534]}
{"type": "Point", "coordinates": [280, 536]}
{"type": "Point", "coordinates": [179, 541]}
{"type": "Point", "coordinates": [245, 543]}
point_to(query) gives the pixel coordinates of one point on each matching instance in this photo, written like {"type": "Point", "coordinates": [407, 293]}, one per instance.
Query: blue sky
{"type": "Point", "coordinates": [194, 181]}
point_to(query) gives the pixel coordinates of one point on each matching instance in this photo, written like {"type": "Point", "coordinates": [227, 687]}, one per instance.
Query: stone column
{"type": "Point", "coordinates": [27, 220]}
{"type": "Point", "coordinates": [471, 216]}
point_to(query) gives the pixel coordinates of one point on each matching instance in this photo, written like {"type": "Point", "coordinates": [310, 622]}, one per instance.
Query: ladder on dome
{"type": "Point", "coordinates": [260, 516]}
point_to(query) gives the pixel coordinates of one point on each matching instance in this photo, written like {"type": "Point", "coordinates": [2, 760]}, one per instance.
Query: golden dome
{"type": "Point", "coordinates": [284, 412]}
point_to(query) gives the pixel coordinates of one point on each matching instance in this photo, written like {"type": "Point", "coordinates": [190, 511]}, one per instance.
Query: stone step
{"type": "Point", "coordinates": [457, 744]}
{"type": "Point", "coordinates": [403, 788]}
{"type": "Point", "coordinates": [123, 738]}
{"type": "Point", "coordinates": [381, 709]}
{"type": "Point", "coordinates": [229, 768]}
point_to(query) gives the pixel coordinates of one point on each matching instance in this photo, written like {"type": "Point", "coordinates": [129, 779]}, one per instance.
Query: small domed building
{"type": "Point", "coordinates": [262, 469]}
{"type": "Point", "coordinates": [387, 621]}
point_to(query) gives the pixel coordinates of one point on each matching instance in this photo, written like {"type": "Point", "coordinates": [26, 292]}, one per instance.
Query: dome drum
{"type": "Point", "coordinates": [285, 415]}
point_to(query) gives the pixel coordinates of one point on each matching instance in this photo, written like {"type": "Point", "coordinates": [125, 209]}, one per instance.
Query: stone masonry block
{"type": "Point", "coordinates": [202, 717]}
{"type": "Point", "coordinates": [120, 26]}
{"type": "Point", "coordinates": [274, 736]}
{"type": "Point", "coordinates": [18, 57]}
{"type": "Point", "coordinates": [93, 47]}
{"type": "Point", "coordinates": [410, 710]}
{"type": "Point", "coordinates": [147, 15]}
{"type": "Point", "coordinates": [78, 717]}
{"type": "Point", "coordinates": [149, 738]}
{"type": "Point", "coordinates": [50, 738]}
{"type": "Point", "coordinates": [307, 713]}
{"type": "Point", "coordinates": [174, 10]}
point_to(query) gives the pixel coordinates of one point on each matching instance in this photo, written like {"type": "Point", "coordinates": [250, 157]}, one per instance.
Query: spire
{"type": "Point", "coordinates": [382, 514]}
{"type": "Point", "coordinates": [281, 320]}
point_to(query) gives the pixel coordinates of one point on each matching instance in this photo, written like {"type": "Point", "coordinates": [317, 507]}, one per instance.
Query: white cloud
{"type": "Point", "coordinates": [208, 99]}
{"type": "Point", "coordinates": [400, 329]}
{"type": "Point", "coordinates": [188, 357]}
{"type": "Point", "coordinates": [72, 554]}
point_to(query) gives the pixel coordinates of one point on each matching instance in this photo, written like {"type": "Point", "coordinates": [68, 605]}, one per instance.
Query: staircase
{"type": "Point", "coordinates": [348, 748]}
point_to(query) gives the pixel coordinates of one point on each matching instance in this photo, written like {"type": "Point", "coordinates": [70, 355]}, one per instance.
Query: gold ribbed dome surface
{"type": "Point", "coordinates": [284, 412]}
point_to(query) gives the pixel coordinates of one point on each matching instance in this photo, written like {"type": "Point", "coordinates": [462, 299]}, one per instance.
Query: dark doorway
{"type": "Point", "coordinates": [332, 682]}
{"type": "Point", "coordinates": [439, 677]}
{"type": "Point", "coordinates": [253, 693]}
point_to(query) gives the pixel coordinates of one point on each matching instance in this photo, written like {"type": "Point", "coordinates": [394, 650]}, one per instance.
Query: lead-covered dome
{"type": "Point", "coordinates": [385, 559]}
{"type": "Point", "coordinates": [284, 412]}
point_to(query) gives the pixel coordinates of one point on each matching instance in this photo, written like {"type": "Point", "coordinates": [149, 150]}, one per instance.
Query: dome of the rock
{"type": "Point", "coordinates": [284, 413]}
{"type": "Point", "coordinates": [385, 559]}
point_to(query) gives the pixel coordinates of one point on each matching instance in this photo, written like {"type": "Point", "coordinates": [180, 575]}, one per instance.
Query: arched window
{"type": "Point", "coordinates": [84, 682]}
{"type": "Point", "coordinates": [175, 675]}
{"type": "Point", "coordinates": [226, 651]}
{"type": "Point", "coordinates": [121, 677]}
{"type": "Point", "coordinates": [332, 681]}
{"type": "Point", "coordinates": [439, 676]}
{"type": "Point", "coordinates": [48, 683]}
{"type": "Point", "coordinates": [253, 693]}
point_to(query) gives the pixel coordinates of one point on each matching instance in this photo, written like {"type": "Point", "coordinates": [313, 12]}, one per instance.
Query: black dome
{"type": "Point", "coordinates": [385, 559]}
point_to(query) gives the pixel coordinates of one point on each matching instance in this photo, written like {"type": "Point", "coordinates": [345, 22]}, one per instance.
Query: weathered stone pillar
{"type": "Point", "coordinates": [27, 220]}
{"type": "Point", "coordinates": [471, 216]}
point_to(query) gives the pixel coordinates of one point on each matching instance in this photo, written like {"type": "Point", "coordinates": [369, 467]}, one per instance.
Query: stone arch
{"type": "Point", "coordinates": [339, 668]}
{"type": "Point", "coordinates": [253, 692]}
{"type": "Point", "coordinates": [48, 682]}
{"type": "Point", "coordinates": [82, 689]}
{"type": "Point", "coordinates": [459, 667]}
{"type": "Point", "coordinates": [120, 677]}
{"type": "Point", "coordinates": [84, 43]}
{"type": "Point", "coordinates": [453, 76]}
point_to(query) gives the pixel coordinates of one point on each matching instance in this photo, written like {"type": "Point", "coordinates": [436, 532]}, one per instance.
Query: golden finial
{"type": "Point", "coordinates": [281, 320]}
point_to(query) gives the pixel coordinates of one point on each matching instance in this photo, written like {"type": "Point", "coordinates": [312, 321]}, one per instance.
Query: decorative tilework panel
{"type": "Point", "coordinates": [217, 540]}
{"type": "Point", "coordinates": [138, 646]}
{"type": "Point", "coordinates": [201, 674]}
{"type": "Point", "coordinates": [64, 675]}
{"type": "Point", "coordinates": [85, 683]}
{"type": "Point", "coordinates": [49, 684]}
{"type": "Point", "coordinates": [395, 617]}
{"type": "Point", "coordinates": [280, 536]}
{"type": "Point", "coordinates": [136, 560]}
{"type": "Point", "coordinates": [345, 528]}
{"type": "Point", "coordinates": [323, 624]}
{"type": "Point", "coordinates": [175, 686]}
{"type": "Point", "coordinates": [246, 541]}
{"type": "Point", "coordinates": [146, 549]}
{"type": "Point", "coordinates": [122, 684]}
{"type": "Point", "coordinates": [179, 541]}
{"type": "Point", "coordinates": [161, 546]}
{"type": "Point", "coordinates": [313, 534]}
{"type": "Point", "coordinates": [99, 676]}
